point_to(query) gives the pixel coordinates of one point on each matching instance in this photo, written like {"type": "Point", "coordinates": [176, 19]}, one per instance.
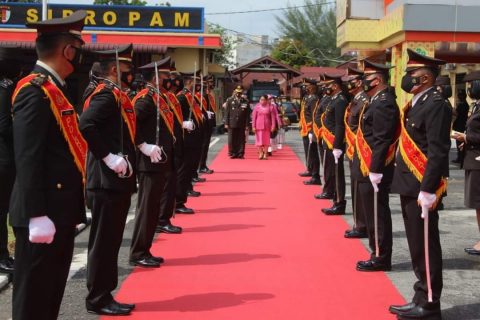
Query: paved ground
{"type": "Point", "coordinates": [461, 297]}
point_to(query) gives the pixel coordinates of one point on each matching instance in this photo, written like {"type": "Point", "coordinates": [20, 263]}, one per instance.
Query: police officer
{"type": "Point", "coordinates": [10, 69]}
{"type": "Point", "coordinates": [333, 134]}
{"type": "Point", "coordinates": [373, 163]}
{"type": "Point", "coordinates": [424, 143]}
{"type": "Point", "coordinates": [205, 130]}
{"type": "Point", "coordinates": [192, 132]}
{"type": "Point", "coordinates": [93, 75]}
{"type": "Point", "coordinates": [108, 125]}
{"type": "Point", "coordinates": [47, 199]}
{"type": "Point", "coordinates": [353, 83]}
{"type": "Point", "coordinates": [310, 103]}
{"type": "Point", "coordinates": [211, 109]}
{"type": "Point", "coordinates": [237, 117]}
{"type": "Point", "coordinates": [154, 139]}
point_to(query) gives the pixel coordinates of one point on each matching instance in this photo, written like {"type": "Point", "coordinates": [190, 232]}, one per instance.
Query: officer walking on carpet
{"type": "Point", "coordinates": [237, 117]}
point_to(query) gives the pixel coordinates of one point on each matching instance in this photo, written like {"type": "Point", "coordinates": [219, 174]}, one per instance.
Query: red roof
{"type": "Point", "coordinates": [314, 72]}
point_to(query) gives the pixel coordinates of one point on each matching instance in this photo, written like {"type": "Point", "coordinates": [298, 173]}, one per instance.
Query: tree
{"type": "Point", "coordinates": [223, 56]}
{"type": "Point", "coordinates": [293, 53]}
{"type": "Point", "coordinates": [314, 27]}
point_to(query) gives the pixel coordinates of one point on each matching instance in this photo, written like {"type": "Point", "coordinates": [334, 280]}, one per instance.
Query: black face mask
{"type": "Point", "coordinates": [125, 78]}
{"type": "Point", "coordinates": [166, 83]}
{"type": "Point", "coordinates": [408, 82]}
{"type": "Point", "coordinates": [328, 91]}
{"type": "Point", "coordinates": [474, 90]}
{"type": "Point", "coordinates": [77, 59]}
{"type": "Point", "coordinates": [367, 84]}
{"type": "Point", "coordinates": [446, 91]}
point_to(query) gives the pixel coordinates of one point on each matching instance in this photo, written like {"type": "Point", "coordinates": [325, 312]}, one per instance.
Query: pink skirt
{"type": "Point", "coordinates": [262, 138]}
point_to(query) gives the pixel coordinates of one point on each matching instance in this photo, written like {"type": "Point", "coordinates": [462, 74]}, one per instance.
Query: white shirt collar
{"type": "Point", "coordinates": [418, 96]}
{"type": "Point", "coordinates": [357, 95]}
{"type": "Point", "coordinates": [53, 72]}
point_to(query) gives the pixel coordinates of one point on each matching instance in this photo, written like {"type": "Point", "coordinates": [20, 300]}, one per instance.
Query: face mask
{"type": "Point", "coordinates": [166, 83]}
{"type": "Point", "coordinates": [474, 90]}
{"type": "Point", "coordinates": [328, 91]}
{"type": "Point", "coordinates": [127, 78]}
{"type": "Point", "coordinates": [408, 82]}
{"type": "Point", "coordinates": [77, 59]}
{"type": "Point", "coordinates": [367, 84]}
{"type": "Point", "coordinates": [446, 91]}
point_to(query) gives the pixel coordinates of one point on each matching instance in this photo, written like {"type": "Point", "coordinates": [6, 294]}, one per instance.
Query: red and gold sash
{"type": "Point", "coordinates": [415, 159]}
{"type": "Point", "coordinates": [196, 111]}
{"type": "Point", "coordinates": [326, 134]}
{"type": "Point", "coordinates": [364, 151]}
{"type": "Point", "coordinates": [349, 134]}
{"type": "Point", "coordinates": [316, 129]}
{"type": "Point", "coordinates": [174, 105]}
{"type": "Point", "coordinates": [163, 107]}
{"type": "Point", "coordinates": [204, 104]}
{"type": "Point", "coordinates": [128, 113]}
{"type": "Point", "coordinates": [304, 126]}
{"type": "Point", "coordinates": [213, 103]}
{"type": "Point", "coordinates": [66, 118]}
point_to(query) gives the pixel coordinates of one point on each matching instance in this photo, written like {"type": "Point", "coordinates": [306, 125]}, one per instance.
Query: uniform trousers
{"type": "Point", "coordinates": [415, 236]}
{"type": "Point", "coordinates": [198, 154]}
{"type": "Point", "coordinates": [206, 145]}
{"type": "Point", "coordinates": [150, 192]}
{"type": "Point", "coordinates": [7, 178]}
{"type": "Point", "coordinates": [109, 215]}
{"type": "Point", "coordinates": [236, 142]}
{"type": "Point", "coordinates": [359, 223]}
{"type": "Point", "coordinates": [191, 152]}
{"type": "Point", "coordinates": [366, 203]}
{"type": "Point", "coordinates": [167, 198]}
{"type": "Point", "coordinates": [314, 161]}
{"type": "Point", "coordinates": [41, 272]}
{"type": "Point", "coordinates": [329, 176]}
{"type": "Point", "coordinates": [307, 149]}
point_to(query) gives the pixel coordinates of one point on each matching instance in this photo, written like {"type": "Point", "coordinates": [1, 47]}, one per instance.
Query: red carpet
{"type": "Point", "coordinates": [258, 248]}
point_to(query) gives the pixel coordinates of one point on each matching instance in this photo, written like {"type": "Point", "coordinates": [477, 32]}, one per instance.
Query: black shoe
{"type": "Point", "coordinates": [193, 193]}
{"type": "Point", "coordinates": [111, 309]}
{"type": "Point", "coordinates": [312, 182]}
{"type": "Point", "coordinates": [198, 179]}
{"type": "Point", "coordinates": [472, 251]}
{"type": "Point", "coordinates": [168, 228]}
{"type": "Point", "coordinates": [145, 263]}
{"type": "Point", "coordinates": [355, 234]}
{"type": "Point", "coordinates": [324, 196]}
{"type": "Point", "coordinates": [184, 210]}
{"type": "Point", "coordinates": [403, 308]}
{"type": "Point", "coordinates": [233, 157]}
{"type": "Point", "coordinates": [371, 266]}
{"type": "Point", "coordinates": [206, 170]}
{"type": "Point", "coordinates": [129, 306]}
{"type": "Point", "coordinates": [241, 157]}
{"type": "Point", "coordinates": [456, 161]}
{"type": "Point", "coordinates": [305, 174]}
{"type": "Point", "coordinates": [425, 313]}
{"type": "Point", "coordinates": [157, 259]}
{"type": "Point", "coordinates": [269, 153]}
{"type": "Point", "coordinates": [336, 209]}
{"type": "Point", "coordinates": [6, 265]}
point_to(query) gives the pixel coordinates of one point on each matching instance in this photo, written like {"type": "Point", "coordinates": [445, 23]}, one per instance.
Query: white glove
{"type": "Point", "coordinates": [41, 230]}
{"type": "Point", "coordinates": [188, 125]}
{"type": "Point", "coordinates": [310, 137]}
{"type": "Point", "coordinates": [210, 114]}
{"type": "Point", "coordinates": [375, 179]}
{"type": "Point", "coordinates": [477, 158]}
{"type": "Point", "coordinates": [151, 150]}
{"type": "Point", "coordinates": [337, 153]}
{"type": "Point", "coordinates": [116, 163]}
{"type": "Point", "coordinates": [426, 199]}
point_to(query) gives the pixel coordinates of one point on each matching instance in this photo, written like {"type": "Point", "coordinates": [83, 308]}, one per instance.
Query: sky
{"type": "Point", "coordinates": [250, 23]}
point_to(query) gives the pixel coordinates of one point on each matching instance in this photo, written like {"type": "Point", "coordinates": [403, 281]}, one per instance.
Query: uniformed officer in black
{"type": "Point", "coordinates": [192, 132]}
{"type": "Point", "coordinates": [237, 117]}
{"type": "Point", "coordinates": [110, 177]}
{"type": "Point", "coordinates": [211, 123]}
{"type": "Point", "coordinates": [311, 101]}
{"type": "Point", "coordinates": [202, 101]}
{"type": "Point", "coordinates": [427, 122]}
{"type": "Point", "coordinates": [10, 69]}
{"type": "Point", "coordinates": [155, 140]}
{"type": "Point", "coordinates": [334, 123]}
{"type": "Point", "coordinates": [469, 140]}
{"type": "Point", "coordinates": [353, 83]}
{"type": "Point", "coordinates": [47, 199]}
{"type": "Point", "coordinates": [379, 125]}
{"type": "Point", "coordinates": [93, 75]}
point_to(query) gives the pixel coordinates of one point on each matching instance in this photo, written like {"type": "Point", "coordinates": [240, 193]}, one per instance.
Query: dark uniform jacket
{"type": "Point", "coordinates": [48, 182]}
{"type": "Point", "coordinates": [177, 130]}
{"type": "Point", "coordinates": [379, 123]}
{"type": "Point", "coordinates": [213, 121]}
{"type": "Point", "coordinates": [237, 112]}
{"type": "Point", "coordinates": [146, 111]}
{"type": "Point", "coordinates": [309, 107]}
{"type": "Point", "coordinates": [106, 132]}
{"type": "Point", "coordinates": [190, 137]}
{"type": "Point", "coordinates": [6, 138]}
{"type": "Point", "coordinates": [428, 124]}
{"type": "Point", "coordinates": [472, 146]}
{"type": "Point", "coordinates": [334, 119]}
{"type": "Point", "coordinates": [318, 112]}
{"type": "Point", "coordinates": [92, 85]}
{"type": "Point", "coordinates": [358, 101]}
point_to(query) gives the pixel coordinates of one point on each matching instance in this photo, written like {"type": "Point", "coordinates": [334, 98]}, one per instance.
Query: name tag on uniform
{"type": "Point", "coordinates": [129, 110]}
{"type": "Point", "coordinates": [243, 106]}
{"type": "Point", "coordinates": [67, 112]}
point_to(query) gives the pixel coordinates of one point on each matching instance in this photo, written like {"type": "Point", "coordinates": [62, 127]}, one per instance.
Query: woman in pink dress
{"type": "Point", "coordinates": [263, 122]}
